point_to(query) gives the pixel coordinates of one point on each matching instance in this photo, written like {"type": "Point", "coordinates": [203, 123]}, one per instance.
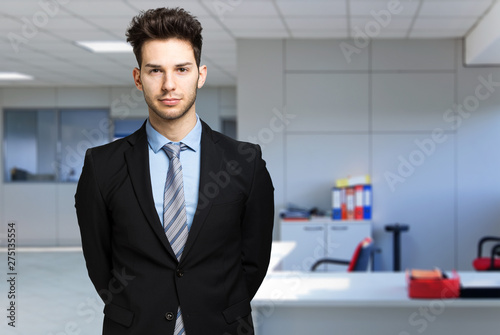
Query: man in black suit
{"type": "Point", "coordinates": [147, 288]}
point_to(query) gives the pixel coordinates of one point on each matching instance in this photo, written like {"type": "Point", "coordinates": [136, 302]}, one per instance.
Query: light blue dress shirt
{"type": "Point", "coordinates": [159, 164]}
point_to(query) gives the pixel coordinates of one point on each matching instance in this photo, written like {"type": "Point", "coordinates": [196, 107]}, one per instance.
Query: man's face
{"type": "Point", "coordinates": [169, 78]}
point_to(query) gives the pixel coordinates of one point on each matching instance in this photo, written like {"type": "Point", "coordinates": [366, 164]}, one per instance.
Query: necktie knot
{"type": "Point", "coordinates": [173, 150]}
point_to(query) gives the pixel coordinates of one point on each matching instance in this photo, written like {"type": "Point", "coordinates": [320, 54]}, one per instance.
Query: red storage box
{"type": "Point", "coordinates": [432, 284]}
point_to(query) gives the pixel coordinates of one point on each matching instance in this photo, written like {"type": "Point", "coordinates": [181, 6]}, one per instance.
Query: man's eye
{"type": "Point", "coordinates": [183, 69]}
{"type": "Point", "coordinates": [154, 71]}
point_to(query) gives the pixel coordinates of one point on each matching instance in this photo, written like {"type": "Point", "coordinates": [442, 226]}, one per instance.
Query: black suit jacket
{"type": "Point", "coordinates": [129, 258]}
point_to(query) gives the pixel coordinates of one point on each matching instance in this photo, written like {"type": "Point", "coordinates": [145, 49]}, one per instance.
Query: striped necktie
{"type": "Point", "coordinates": [174, 212]}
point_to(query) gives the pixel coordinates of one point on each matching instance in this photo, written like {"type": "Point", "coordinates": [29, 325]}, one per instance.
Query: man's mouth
{"type": "Point", "coordinates": [170, 101]}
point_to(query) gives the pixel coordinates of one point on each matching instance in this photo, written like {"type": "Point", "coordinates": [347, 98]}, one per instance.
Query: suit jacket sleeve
{"type": "Point", "coordinates": [257, 225]}
{"type": "Point", "coordinates": [95, 227]}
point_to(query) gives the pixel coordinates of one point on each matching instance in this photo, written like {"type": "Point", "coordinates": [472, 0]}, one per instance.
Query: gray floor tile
{"type": "Point", "coordinates": [54, 295]}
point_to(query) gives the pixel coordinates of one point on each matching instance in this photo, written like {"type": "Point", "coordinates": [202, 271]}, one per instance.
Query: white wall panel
{"type": "Point", "coordinates": [29, 97]}
{"type": "Point", "coordinates": [34, 209]}
{"type": "Point", "coordinates": [412, 101]}
{"type": "Point", "coordinates": [68, 232]}
{"type": "Point", "coordinates": [228, 97]}
{"type": "Point", "coordinates": [408, 55]}
{"type": "Point", "coordinates": [228, 112]}
{"type": "Point", "coordinates": [415, 186]}
{"type": "Point", "coordinates": [97, 97]}
{"type": "Point", "coordinates": [207, 106]}
{"type": "Point", "coordinates": [328, 102]}
{"type": "Point", "coordinates": [325, 55]}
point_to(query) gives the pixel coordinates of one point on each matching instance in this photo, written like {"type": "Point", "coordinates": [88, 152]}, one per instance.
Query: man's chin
{"type": "Point", "coordinates": [169, 115]}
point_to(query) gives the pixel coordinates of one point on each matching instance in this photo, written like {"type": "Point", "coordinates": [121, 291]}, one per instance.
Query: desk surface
{"type": "Point", "coordinates": [383, 289]}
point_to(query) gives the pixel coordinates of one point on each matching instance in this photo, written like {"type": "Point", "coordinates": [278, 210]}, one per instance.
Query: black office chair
{"type": "Point", "coordinates": [491, 262]}
{"type": "Point", "coordinates": [359, 261]}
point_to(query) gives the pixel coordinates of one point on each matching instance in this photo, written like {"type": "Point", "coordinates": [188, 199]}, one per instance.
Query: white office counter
{"type": "Point", "coordinates": [368, 303]}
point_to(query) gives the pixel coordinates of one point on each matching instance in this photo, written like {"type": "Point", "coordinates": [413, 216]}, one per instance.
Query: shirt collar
{"type": "Point", "coordinates": [191, 140]}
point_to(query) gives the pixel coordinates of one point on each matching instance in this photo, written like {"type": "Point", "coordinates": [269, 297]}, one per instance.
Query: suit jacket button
{"type": "Point", "coordinates": [169, 316]}
{"type": "Point", "coordinates": [180, 273]}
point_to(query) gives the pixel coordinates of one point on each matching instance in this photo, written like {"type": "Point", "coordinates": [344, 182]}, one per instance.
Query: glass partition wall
{"type": "Point", "coordinates": [49, 144]}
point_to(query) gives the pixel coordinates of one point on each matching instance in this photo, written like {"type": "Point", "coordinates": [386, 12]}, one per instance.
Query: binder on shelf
{"type": "Point", "coordinates": [337, 203]}
{"type": "Point", "coordinates": [367, 202]}
{"type": "Point", "coordinates": [343, 204]}
{"type": "Point", "coordinates": [353, 181]}
{"type": "Point", "coordinates": [349, 195]}
{"type": "Point", "coordinates": [352, 198]}
{"type": "Point", "coordinates": [358, 202]}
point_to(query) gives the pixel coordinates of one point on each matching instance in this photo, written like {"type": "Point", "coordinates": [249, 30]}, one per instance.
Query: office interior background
{"type": "Point", "coordinates": [405, 91]}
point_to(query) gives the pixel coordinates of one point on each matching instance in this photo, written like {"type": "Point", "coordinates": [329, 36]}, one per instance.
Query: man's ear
{"type": "Point", "coordinates": [137, 78]}
{"type": "Point", "coordinates": [202, 76]}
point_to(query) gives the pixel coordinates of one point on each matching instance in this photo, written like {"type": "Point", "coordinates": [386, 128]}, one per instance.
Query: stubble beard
{"type": "Point", "coordinates": [167, 116]}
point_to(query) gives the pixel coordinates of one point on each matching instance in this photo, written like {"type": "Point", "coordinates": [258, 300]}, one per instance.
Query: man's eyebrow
{"type": "Point", "coordinates": [176, 65]}
{"type": "Point", "coordinates": [183, 64]}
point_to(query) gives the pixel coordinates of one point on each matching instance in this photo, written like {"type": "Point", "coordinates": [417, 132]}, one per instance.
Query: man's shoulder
{"type": "Point", "coordinates": [116, 148]}
{"type": "Point", "coordinates": [224, 140]}
{"type": "Point", "coordinates": [109, 151]}
{"type": "Point", "coordinates": [241, 151]}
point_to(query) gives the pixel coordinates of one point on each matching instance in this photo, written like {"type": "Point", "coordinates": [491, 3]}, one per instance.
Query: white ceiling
{"type": "Point", "coordinates": [37, 36]}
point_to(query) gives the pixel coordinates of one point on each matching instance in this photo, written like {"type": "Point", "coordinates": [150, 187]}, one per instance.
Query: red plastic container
{"type": "Point", "coordinates": [433, 288]}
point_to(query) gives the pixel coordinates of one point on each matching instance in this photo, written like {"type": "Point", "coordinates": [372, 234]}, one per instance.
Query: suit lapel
{"type": "Point", "coordinates": [138, 166]}
{"type": "Point", "coordinates": [210, 161]}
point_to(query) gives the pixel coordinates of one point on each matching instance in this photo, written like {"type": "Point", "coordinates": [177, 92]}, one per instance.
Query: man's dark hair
{"type": "Point", "coordinates": [162, 24]}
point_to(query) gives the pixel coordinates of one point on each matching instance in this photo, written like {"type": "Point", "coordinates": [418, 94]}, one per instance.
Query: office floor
{"type": "Point", "coordinates": [54, 295]}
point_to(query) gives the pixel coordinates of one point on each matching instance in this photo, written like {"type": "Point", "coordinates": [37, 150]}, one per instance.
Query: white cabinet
{"type": "Point", "coordinates": [310, 244]}
{"type": "Point", "coordinates": [319, 238]}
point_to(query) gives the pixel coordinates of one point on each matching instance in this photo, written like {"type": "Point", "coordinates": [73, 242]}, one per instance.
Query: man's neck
{"type": "Point", "coordinates": [174, 130]}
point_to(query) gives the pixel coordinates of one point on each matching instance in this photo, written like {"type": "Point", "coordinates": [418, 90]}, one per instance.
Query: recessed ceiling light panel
{"type": "Point", "coordinates": [14, 76]}
{"type": "Point", "coordinates": [105, 46]}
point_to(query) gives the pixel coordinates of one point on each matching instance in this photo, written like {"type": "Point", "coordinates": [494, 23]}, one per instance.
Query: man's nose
{"type": "Point", "coordinates": [169, 82]}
